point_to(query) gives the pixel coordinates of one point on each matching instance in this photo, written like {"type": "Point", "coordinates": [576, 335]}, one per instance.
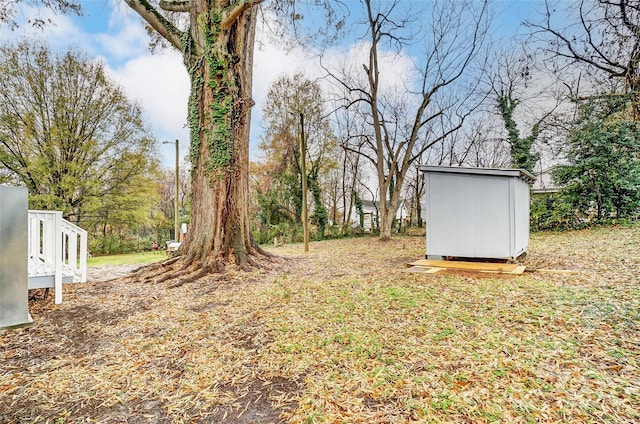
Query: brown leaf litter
{"type": "Point", "coordinates": [342, 334]}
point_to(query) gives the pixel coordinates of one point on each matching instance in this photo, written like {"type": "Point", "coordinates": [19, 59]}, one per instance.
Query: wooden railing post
{"type": "Point", "coordinates": [58, 252]}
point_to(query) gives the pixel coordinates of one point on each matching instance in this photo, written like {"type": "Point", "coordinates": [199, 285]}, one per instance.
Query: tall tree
{"type": "Point", "coordinates": [286, 100]}
{"type": "Point", "coordinates": [602, 176]}
{"type": "Point", "coordinates": [409, 118]}
{"type": "Point", "coordinates": [217, 44]}
{"type": "Point", "coordinates": [67, 132]}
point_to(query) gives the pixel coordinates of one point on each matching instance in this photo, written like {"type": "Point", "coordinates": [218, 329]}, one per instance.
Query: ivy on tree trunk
{"type": "Point", "coordinates": [218, 52]}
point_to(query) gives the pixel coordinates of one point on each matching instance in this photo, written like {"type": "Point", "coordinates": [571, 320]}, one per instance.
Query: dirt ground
{"type": "Point", "coordinates": [341, 334]}
{"type": "Point", "coordinates": [97, 274]}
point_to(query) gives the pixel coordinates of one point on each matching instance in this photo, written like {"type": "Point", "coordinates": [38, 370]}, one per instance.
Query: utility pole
{"type": "Point", "coordinates": [303, 169]}
{"type": "Point", "coordinates": [176, 212]}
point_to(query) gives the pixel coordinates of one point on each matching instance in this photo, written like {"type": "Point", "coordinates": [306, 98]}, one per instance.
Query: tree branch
{"type": "Point", "coordinates": [157, 21]}
{"type": "Point", "coordinates": [174, 6]}
{"type": "Point", "coordinates": [235, 11]}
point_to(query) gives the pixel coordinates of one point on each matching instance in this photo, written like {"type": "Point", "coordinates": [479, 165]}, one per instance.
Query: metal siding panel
{"type": "Point", "coordinates": [492, 219]}
{"type": "Point", "coordinates": [451, 229]}
{"type": "Point", "coordinates": [522, 191]}
{"type": "Point", "coordinates": [476, 214]}
{"type": "Point", "coordinates": [13, 259]}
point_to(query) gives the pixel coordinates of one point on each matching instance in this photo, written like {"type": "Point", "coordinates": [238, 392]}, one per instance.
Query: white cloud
{"type": "Point", "coordinates": [60, 30]}
{"type": "Point", "coordinates": [160, 84]}
{"type": "Point", "coordinates": [397, 71]}
{"type": "Point", "coordinates": [129, 41]}
{"type": "Point", "coordinates": [127, 37]}
{"type": "Point", "coordinates": [269, 63]}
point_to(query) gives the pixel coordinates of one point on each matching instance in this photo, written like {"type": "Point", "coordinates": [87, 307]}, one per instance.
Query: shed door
{"type": "Point", "coordinates": [468, 216]}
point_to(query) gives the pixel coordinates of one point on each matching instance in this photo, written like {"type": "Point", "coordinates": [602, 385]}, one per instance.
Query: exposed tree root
{"type": "Point", "coordinates": [263, 252]}
{"type": "Point", "coordinates": [183, 270]}
{"type": "Point", "coordinates": [194, 278]}
{"type": "Point", "coordinates": [170, 261]}
{"type": "Point", "coordinates": [151, 274]}
{"type": "Point", "coordinates": [148, 268]}
{"type": "Point", "coordinates": [171, 276]}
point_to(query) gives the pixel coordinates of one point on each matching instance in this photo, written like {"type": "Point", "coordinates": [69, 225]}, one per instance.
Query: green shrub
{"type": "Point", "coordinates": [551, 211]}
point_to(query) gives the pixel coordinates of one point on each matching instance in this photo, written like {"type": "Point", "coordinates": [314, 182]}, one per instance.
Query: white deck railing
{"type": "Point", "coordinates": [57, 252]}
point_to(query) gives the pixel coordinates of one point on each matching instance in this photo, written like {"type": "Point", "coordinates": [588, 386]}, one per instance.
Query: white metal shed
{"type": "Point", "coordinates": [476, 212]}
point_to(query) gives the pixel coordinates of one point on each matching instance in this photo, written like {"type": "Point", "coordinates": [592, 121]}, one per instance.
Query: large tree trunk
{"type": "Point", "coordinates": [219, 111]}
{"type": "Point", "coordinates": [218, 53]}
{"type": "Point", "coordinates": [387, 215]}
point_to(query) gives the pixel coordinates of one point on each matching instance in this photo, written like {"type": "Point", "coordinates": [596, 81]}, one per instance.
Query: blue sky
{"type": "Point", "coordinates": [159, 82]}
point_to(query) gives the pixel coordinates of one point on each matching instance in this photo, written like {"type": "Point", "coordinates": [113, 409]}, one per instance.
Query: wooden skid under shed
{"type": "Point", "coordinates": [432, 266]}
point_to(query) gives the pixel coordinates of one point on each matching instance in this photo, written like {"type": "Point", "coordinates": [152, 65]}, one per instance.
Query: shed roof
{"type": "Point", "coordinates": [505, 172]}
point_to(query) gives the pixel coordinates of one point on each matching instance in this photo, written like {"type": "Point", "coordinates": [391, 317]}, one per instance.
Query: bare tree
{"type": "Point", "coordinates": [602, 36]}
{"type": "Point", "coordinates": [349, 133]}
{"type": "Point", "coordinates": [407, 119]}
{"type": "Point", "coordinates": [514, 83]}
{"type": "Point", "coordinates": [8, 10]}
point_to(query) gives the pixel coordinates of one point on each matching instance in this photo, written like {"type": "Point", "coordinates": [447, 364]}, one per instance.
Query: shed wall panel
{"type": "Point", "coordinates": [476, 212]}
{"type": "Point", "coordinates": [13, 260]}
{"type": "Point", "coordinates": [467, 216]}
{"type": "Point", "coordinates": [522, 209]}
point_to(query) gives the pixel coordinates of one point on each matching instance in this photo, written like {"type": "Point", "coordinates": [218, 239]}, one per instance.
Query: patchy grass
{"type": "Point", "coordinates": [343, 334]}
{"type": "Point", "coordinates": [128, 259]}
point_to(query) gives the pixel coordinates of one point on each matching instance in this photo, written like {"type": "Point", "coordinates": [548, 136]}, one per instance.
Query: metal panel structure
{"type": "Point", "coordinates": [476, 212]}
{"type": "Point", "coordinates": [14, 307]}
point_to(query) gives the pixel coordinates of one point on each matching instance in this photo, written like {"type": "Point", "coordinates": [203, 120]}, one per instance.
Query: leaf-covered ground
{"type": "Point", "coordinates": [343, 334]}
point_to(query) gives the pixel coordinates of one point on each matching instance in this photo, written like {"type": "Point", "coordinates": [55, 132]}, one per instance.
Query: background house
{"type": "Point", "coordinates": [544, 182]}
{"type": "Point", "coordinates": [370, 210]}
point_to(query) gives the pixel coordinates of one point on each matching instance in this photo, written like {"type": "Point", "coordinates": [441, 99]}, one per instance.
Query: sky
{"type": "Point", "coordinates": [113, 33]}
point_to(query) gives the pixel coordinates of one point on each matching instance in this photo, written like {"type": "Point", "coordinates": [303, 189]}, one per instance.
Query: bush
{"type": "Point", "coordinates": [284, 231]}
{"type": "Point", "coordinates": [112, 244]}
{"type": "Point", "coordinates": [551, 211]}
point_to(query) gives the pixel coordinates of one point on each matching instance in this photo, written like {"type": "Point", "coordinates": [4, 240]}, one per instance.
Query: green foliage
{"type": "Point", "coordinates": [273, 220]}
{"type": "Point", "coordinates": [224, 90]}
{"type": "Point", "coordinates": [288, 232]}
{"type": "Point", "coordinates": [602, 178]}
{"type": "Point", "coordinates": [319, 217]}
{"type": "Point", "coordinates": [357, 201]}
{"type": "Point", "coordinates": [271, 212]}
{"type": "Point", "coordinates": [71, 136]}
{"type": "Point", "coordinates": [112, 244]}
{"type": "Point", "coordinates": [519, 148]}
{"type": "Point", "coordinates": [551, 211]}
{"type": "Point", "coordinates": [193, 115]}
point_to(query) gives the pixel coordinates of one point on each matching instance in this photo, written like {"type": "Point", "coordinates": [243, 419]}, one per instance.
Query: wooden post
{"type": "Point", "coordinates": [303, 169]}
{"type": "Point", "coordinates": [58, 252]}
{"type": "Point", "coordinates": [176, 205]}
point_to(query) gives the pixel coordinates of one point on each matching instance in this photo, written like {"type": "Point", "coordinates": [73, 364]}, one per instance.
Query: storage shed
{"type": "Point", "coordinates": [476, 212]}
